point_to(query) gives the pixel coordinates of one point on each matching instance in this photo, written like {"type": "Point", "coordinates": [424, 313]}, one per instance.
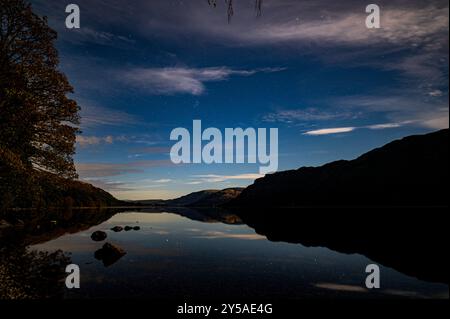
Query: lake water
{"type": "Point", "coordinates": [172, 256]}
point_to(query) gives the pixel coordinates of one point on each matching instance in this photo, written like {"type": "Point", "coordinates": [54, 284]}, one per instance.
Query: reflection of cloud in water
{"type": "Point", "coordinates": [391, 292]}
{"type": "Point", "coordinates": [219, 234]}
{"type": "Point", "coordinates": [161, 232]}
{"type": "Point", "coordinates": [88, 247]}
{"type": "Point", "coordinates": [160, 252]}
{"type": "Point", "coordinates": [415, 294]}
{"type": "Point", "coordinates": [205, 234]}
{"type": "Point", "coordinates": [338, 287]}
{"type": "Point", "coordinates": [402, 293]}
{"type": "Point", "coordinates": [444, 295]}
{"type": "Point", "coordinates": [149, 217]}
{"type": "Point", "coordinates": [166, 243]}
{"type": "Point", "coordinates": [194, 230]}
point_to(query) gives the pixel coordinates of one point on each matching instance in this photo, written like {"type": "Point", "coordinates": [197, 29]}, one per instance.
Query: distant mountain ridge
{"type": "Point", "coordinates": [407, 172]}
{"type": "Point", "coordinates": [191, 198]}
{"type": "Point", "coordinates": [410, 171]}
{"type": "Point", "coordinates": [204, 198]}
{"type": "Point", "coordinates": [218, 198]}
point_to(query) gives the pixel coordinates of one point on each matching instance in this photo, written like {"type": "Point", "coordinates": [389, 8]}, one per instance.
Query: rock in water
{"type": "Point", "coordinates": [128, 228]}
{"type": "Point", "coordinates": [117, 229]}
{"type": "Point", "coordinates": [98, 235]}
{"type": "Point", "coordinates": [4, 224]}
{"type": "Point", "coordinates": [109, 254]}
{"type": "Point", "coordinates": [5, 227]}
{"type": "Point", "coordinates": [136, 228]}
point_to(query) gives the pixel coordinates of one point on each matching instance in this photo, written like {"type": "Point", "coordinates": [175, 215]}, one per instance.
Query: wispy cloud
{"type": "Point", "coordinates": [194, 183]}
{"type": "Point", "coordinates": [309, 114]}
{"type": "Point", "coordinates": [415, 25]}
{"type": "Point", "coordinates": [338, 130]}
{"type": "Point", "coordinates": [151, 150]}
{"type": "Point", "coordinates": [328, 131]}
{"type": "Point", "coordinates": [399, 108]}
{"type": "Point", "coordinates": [384, 126]}
{"type": "Point", "coordinates": [94, 116]}
{"type": "Point", "coordinates": [87, 34]}
{"type": "Point", "coordinates": [224, 235]}
{"type": "Point", "coordinates": [110, 186]}
{"type": "Point", "coordinates": [96, 170]}
{"type": "Point", "coordinates": [143, 189]}
{"type": "Point", "coordinates": [90, 170]}
{"type": "Point", "coordinates": [437, 122]}
{"type": "Point", "coordinates": [331, 31]}
{"type": "Point", "coordinates": [399, 25]}
{"type": "Point", "coordinates": [173, 80]}
{"type": "Point", "coordinates": [406, 108]}
{"type": "Point", "coordinates": [94, 21]}
{"type": "Point", "coordinates": [436, 93]}
{"type": "Point", "coordinates": [162, 181]}
{"type": "Point", "coordinates": [86, 141]}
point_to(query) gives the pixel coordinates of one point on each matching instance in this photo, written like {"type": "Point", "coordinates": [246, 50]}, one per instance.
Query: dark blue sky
{"type": "Point", "coordinates": [309, 68]}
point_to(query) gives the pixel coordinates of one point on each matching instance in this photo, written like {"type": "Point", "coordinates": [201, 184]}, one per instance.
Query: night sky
{"type": "Point", "coordinates": [310, 68]}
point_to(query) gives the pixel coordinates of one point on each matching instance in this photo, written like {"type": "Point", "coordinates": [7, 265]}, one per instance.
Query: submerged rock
{"type": "Point", "coordinates": [109, 254]}
{"type": "Point", "coordinates": [5, 227]}
{"type": "Point", "coordinates": [98, 235]}
{"type": "Point", "coordinates": [4, 224]}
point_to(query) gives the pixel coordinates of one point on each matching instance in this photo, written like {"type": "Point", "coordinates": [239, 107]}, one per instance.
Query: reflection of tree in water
{"type": "Point", "coordinates": [230, 8]}
{"type": "Point", "coordinates": [26, 274]}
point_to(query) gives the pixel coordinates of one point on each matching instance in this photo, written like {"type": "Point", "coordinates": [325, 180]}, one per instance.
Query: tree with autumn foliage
{"type": "Point", "coordinates": [38, 121]}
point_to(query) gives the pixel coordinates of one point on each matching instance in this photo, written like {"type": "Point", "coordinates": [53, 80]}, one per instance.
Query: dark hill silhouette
{"type": "Point", "coordinates": [61, 192]}
{"type": "Point", "coordinates": [204, 198]}
{"type": "Point", "coordinates": [52, 191]}
{"type": "Point", "coordinates": [191, 198]}
{"type": "Point", "coordinates": [218, 198]}
{"type": "Point", "coordinates": [408, 172]}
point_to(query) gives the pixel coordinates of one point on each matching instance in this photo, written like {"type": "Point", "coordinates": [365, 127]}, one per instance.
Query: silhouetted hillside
{"type": "Point", "coordinates": [71, 193]}
{"type": "Point", "coordinates": [411, 171]}
{"type": "Point", "coordinates": [205, 198]}
{"type": "Point", "coordinates": [218, 198]}
{"type": "Point", "coordinates": [191, 198]}
{"type": "Point", "coordinates": [52, 191]}
{"type": "Point", "coordinates": [147, 202]}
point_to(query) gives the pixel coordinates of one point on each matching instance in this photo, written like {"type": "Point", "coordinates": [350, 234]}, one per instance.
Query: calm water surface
{"type": "Point", "coordinates": [175, 257]}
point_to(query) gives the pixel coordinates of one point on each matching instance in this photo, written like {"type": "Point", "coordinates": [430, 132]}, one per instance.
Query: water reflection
{"type": "Point", "coordinates": [213, 254]}
{"type": "Point", "coordinates": [109, 254]}
{"type": "Point", "coordinates": [31, 274]}
{"type": "Point", "coordinates": [412, 240]}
